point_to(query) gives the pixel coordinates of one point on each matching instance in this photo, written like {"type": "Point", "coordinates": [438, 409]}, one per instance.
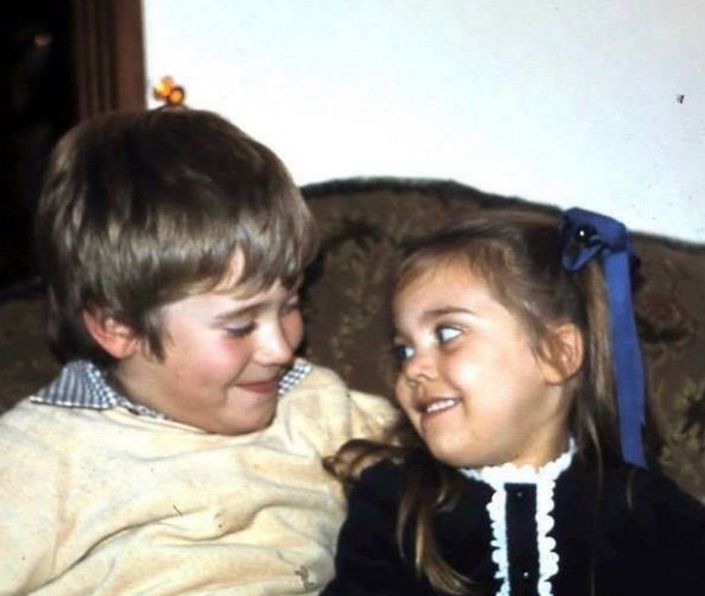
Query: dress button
{"type": "Point", "coordinates": [525, 575]}
{"type": "Point", "coordinates": [520, 494]}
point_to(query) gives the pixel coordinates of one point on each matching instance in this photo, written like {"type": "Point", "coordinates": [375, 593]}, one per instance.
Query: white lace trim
{"type": "Point", "coordinates": [544, 478]}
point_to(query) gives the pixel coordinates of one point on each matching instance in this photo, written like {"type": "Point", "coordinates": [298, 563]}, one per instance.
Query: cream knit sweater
{"type": "Point", "coordinates": [106, 502]}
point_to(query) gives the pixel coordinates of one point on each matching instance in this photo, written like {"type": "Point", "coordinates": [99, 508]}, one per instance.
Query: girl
{"type": "Point", "coordinates": [508, 476]}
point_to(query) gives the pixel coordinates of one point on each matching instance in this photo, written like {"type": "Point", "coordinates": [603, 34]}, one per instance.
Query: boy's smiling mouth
{"type": "Point", "coordinates": [268, 386]}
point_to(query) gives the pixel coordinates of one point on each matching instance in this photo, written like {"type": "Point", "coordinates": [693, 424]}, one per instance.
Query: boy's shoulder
{"type": "Point", "coordinates": [51, 431]}
{"type": "Point", "coordinates": [313, 376]}
{"type": "Point", "coordinates": [33, 418]}
{"type": "Point", "coordinates": [326, 387]}
{"type": "Point", "coordinates": [71, 417]}
{"type": "Point", "coordinates": [323, 404]}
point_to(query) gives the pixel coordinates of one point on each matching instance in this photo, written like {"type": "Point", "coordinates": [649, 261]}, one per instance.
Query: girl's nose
{"type": "Point", "coordinates": [419, 367]}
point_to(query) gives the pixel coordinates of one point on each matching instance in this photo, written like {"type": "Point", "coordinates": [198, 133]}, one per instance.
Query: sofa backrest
{"type": "Point", "coordinates": [363, 224]}
{"type": "Point", "coordinates": [365, 221]}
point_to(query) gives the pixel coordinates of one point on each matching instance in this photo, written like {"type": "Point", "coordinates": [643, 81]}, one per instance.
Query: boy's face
{"type": "Point", "coordinates": [224, 356]}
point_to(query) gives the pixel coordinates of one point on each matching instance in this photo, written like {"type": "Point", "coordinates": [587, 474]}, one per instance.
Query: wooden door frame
{"type": "Point", "coordinates": [108, 56]}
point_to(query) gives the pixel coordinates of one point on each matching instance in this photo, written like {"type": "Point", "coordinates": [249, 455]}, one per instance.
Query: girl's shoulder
{"type": "Point", "coordinates": [652, 492]}
{"type": "Point", "coordinates": [391, 471]}
{"type": "Point", "coordinates": [645, 486]}
{"type": "Point", "coordinates": [655, 506]}
{"type": "Point", "coordinates": [670, 522]}
{"type": "Point", "coordinates": [644, 499]}
{"type": "Point", "coordinates": [643, 529]}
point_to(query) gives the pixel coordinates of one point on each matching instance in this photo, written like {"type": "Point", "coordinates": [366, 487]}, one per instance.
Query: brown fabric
{"type": "Point", "coordinates": [26, 363]}
{"type": "Point", "coordinates": [364, 222]}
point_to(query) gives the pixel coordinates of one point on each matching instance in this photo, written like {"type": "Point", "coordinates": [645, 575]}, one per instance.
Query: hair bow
{"type": "Point", "coordinates": [586, 235]}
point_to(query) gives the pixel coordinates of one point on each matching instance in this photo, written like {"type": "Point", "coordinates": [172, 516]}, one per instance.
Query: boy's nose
{"type": "Point", "coordinates": [277, 347]}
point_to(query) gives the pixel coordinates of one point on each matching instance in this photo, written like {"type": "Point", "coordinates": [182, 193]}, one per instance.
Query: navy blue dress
{"type": "Point", "coordinates": [644, 536]}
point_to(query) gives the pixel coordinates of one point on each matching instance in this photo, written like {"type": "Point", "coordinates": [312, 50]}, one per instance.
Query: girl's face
{"type": "Point", "coordinates": [470, 382]}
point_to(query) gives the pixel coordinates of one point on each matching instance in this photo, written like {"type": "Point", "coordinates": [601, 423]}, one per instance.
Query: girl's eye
{"type": "Point", "coordinates": [402, 353]}
{"type": "Point", "coordinates": [446, 333]}
{"type": "Point", "coordinates": [242, 331]}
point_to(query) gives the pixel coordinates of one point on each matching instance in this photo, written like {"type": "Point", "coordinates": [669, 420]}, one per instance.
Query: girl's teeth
{"type": "Point", "coordinates": [441, 404]}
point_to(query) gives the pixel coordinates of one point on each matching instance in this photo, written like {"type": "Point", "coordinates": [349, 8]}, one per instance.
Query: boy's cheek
{"type": "Point", "coordinates": [294, 329]}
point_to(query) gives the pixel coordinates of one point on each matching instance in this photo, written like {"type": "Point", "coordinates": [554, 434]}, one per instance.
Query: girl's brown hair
{"type": "Point", "coordinates": [518, 254]}
{"type": "Point", "coordinates": [139, 209]}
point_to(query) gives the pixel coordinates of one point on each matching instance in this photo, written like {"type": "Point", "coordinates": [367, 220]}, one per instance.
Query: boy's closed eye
{"type": "Point", "coordinates": [290, 306]}
{"type": "Point", "coordinates": [241, 330]}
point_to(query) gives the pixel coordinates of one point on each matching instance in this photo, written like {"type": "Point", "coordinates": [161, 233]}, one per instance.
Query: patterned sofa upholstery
{"type": "Point", "coordinates": [363, 224]}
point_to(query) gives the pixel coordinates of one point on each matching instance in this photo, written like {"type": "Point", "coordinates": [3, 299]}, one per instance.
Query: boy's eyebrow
{"type": "Point", "coordinates": [252, 309]}
{"type": "Point", "coordinates": [238, 312]}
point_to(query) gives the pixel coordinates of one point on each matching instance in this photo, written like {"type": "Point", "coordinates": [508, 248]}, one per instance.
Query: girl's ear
{"type": "Point", "coordinates": [116, 338]}
{"type": "Point", "coordinates": [564, 353]}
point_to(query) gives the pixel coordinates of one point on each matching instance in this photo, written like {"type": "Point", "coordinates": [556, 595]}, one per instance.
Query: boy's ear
{"type": "Point", "coordinates": [117, 339]}
{"type": "Point", "coordinates": [564, 354]}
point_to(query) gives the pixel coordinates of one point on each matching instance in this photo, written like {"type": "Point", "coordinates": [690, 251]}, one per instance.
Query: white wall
{"type": "Point", "coordinates": [570, 102]}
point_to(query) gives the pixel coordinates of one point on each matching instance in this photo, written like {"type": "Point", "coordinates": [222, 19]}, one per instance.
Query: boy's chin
{"type": "Point", "coordinates": [234, 426]}
{"type": "Point", "coordinates": [237, 429]}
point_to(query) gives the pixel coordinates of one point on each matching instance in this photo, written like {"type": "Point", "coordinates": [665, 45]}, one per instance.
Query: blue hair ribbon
{"type": "Point", "coordinates": [586, 235]}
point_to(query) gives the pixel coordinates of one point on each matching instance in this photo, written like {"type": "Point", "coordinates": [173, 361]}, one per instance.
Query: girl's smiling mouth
{"type": "Point", "coordinates": [438, 405]}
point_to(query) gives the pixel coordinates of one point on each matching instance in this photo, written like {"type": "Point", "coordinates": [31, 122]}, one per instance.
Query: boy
{"type": "Point", "coordinates": [178, 451]}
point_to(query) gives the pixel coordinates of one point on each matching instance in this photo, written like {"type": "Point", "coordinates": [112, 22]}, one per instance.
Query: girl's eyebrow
{"type": "Point", "coordinates": [448, 310]}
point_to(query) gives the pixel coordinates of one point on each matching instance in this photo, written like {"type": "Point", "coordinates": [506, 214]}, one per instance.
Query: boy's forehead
{"type": "Point", "coordinates": [230, 283]}
{"type": "Point", "coordinates": [233, 284]}
{"type": "Point", "coordinates": [224, 303]}
{"type": "Point", "coordinates": [251, 293]}
{"type": "Point", "coordinates": [246, 291]}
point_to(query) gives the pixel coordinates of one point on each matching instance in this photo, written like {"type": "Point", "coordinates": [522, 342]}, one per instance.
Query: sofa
{"type": "Point", "coordinates": [364, 222]}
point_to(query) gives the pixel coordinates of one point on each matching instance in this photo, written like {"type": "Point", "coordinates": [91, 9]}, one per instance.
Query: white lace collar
{"type": "Point", "coordinates": [544, 478]}
{"type": "Point", "coordinates": [510, 473]}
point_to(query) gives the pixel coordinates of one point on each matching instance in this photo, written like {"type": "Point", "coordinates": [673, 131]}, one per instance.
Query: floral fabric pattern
{"type": "Point", "coordinates": [364, 226]}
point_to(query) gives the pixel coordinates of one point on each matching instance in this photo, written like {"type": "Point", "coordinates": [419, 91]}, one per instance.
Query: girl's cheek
{"type": "Point", "coordinates": [403, 395]}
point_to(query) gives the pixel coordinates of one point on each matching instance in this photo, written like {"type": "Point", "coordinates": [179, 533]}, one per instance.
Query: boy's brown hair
{"type": "Point", "coordinates": [140, 209]}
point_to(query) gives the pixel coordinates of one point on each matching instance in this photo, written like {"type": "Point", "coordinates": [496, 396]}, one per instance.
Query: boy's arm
{"type": "Point", "coordinates": [372, 416]}
{"type": "Point", "coordinates": [29, 509]}
{"type": "Point", "coordinates": [324, 411]}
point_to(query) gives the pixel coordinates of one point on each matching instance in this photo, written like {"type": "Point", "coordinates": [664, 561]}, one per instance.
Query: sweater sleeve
{"type": "Point", "coordinates": [323, 410]}
{"type": "Point", "coordinates": [372, 415]}
{"type": "Point", "coordinates": [368, 561]}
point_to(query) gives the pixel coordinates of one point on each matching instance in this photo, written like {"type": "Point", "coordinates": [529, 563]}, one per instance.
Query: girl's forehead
{"type": "Point", "coordinates": [450, 287]}
{"type": "Point", "coordinates": [440, 274]}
